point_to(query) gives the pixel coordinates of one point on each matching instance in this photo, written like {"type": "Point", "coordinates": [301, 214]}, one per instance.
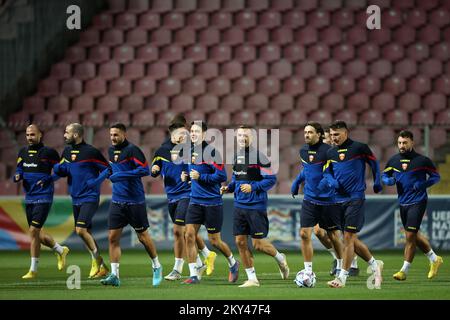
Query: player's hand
{"type": "Point", "coordinates": [195, 175]}
{"type": "Point", "coordinates": [377, 188]}
{"type": "Point", "coordinates": [223, 189]}
{"type": "Point", "coordinates": [17, 177]}
{"type": "Point", "coordinates": [246, 188]}
{"type": "Point", "coordinates": [184, 176]}
{"type": "Point", "coordinates": [156, 169]}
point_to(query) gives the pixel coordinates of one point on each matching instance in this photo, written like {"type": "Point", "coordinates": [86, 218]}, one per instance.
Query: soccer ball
{"type": "Point", "coordinates": [305, 279]}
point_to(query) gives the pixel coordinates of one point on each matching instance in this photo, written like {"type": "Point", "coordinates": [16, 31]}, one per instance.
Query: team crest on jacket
{"type": "Point", "coordinates": [341, 156]}
{"type": "Point", "coordinates": [404, 166]}
{"type": "Point", "coordinates": [311, 158]}
{"type": "Point", "coordinates": [116, 157]}
{"type": "Point", "coordinates": [73, 157]}
{"type": "Point", "coordinates": [174, 155]}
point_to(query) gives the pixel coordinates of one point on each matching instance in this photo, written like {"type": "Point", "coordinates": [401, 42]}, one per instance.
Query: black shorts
{"type": "Point", "coordinates": [327, 216]}
{"type": "Point", "coordinates": [412, 216]}
{"type": "Point", "coordinates": [123, 214]}
{"type": "Point", "coordinates": [178, 210]}
{"type": "Point", "coordinates": [352, 215]}
{"type": "Point", "coordinates": [210, 216]}
{"type": "Point", "coordinates": [250, 222]}
{"type": "Point", "coordinates": [83, 214]}
{"type": "Point", "coordinates": [37, 213]}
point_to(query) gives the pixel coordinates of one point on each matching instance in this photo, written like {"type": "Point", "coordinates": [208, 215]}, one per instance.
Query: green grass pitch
{"type": "Point", "coordinates": [135, 271]}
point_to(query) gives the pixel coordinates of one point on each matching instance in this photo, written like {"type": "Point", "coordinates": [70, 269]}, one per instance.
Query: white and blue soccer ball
{"type": "Point", "coordinates": [305, 279]}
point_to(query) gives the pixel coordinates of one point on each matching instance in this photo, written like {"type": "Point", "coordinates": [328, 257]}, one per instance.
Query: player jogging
{"type": "Point", "coordinates": [34, 168]}
{"type": "Point", "coordinates": [408, 170]}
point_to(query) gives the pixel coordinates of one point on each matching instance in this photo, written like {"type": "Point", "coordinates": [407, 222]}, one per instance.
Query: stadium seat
{"type": "Point", "coordinates": [397, 117]}
{"type": "Point", "coordinates": [306, 69]}
{"type": "Point", "coordinates": [65, 118]}
{"type": "Point", "coordinates": [84, 70]}
{"type": "Point", "coordinates": [120, 116]}
{"type": "Point", "coordinates": [144, 87]}
{"type": "Point", "coordinates": [404, 35]}
{"type": "Point", "coordinates": [221, 20]}
{"type": "Point", "coordinates": [343, 52]}
{"type": "Point", "coordinates": [95, 87]}
{"type": "Point", "coordinates": [358, 102]}
{"type": "Point", "coordinates": [123, 54]}
{"type": "Point", "coordinates": [380, 37]}
{"type": "Point", "coordinates": [331, 35]}
{"type": "Point", "coordinates": [431, 68]}
{"type": "Point", "coordinates": [8, 188]}
{"type": "Point", "coordinates": [394, 85]}
{"type": "Point", "coordinates": [294, 118]}
{"type": "Point", "coordinates": [281, 69]}
{"type": "Point", "coordinates": [392, 17]}
{"type": "Point", "coordinates": [307, 102]}
{"type": "Point", "coordinates": [256, 69]}
{"type": "Point", "coordinates": [102, 138]}
{"type": "Point", "coordinates": [103, 21]}
{"type": "Point", "coordinates": [392, 52]}
{"type": "Point", "coordinates": [58, 104]}
{"type": "Point", "coordinates": [195, 115]}
{"type": "Point", "coordinates": [360, 134]}
{"type": "Point", "coordinates": [318, 85]}
{"type": "Point", "coordinates": [158, 70]}
{"type": "Point", "coordinates": [34, 104]}
{"type": "Point", "coordinates": [422, 117]}
{"type": "Point", "coordinates": [356, 69]}
{"type": "Point", "coordinates": [429, 34]}
{"type": "Point", "coordinates": [381, 68]}
{"type": "Point", "coordinates": [219, 118]}
{"type": "Point", "coordinates": [356, 35]}
{"type": "Point", "coordinates": [220, 53]}
{"type": "Point", "coordinates": [368, 52]}
{"type": "Point", "coordinates": [173, 20]}
{"type": "Point", "coordinates": [197, 20]}
{"type": "Point", "coordinates": [44, 119]}
{"type": "Point", "coordinates": [132, 103]}
{"type": "Point", "coordinates": [182, 103]}
{"type": "Point", "coordinates": [371, 118]}
{"type": "Point", "coordinates": [75, 54]}
{"type": "Point", "coordinates": [320, 116]}
{"type": "Point", "coordinates": [109, 70]}
{"type": "Point", "coordinates": [244, 117]}
{"type": "Point", "coordinates": [441, 51]}
{"type": "Point", "coordinates": [61, 71]}
{"type": "Point", "coordinates": [435, 102]}
{"type": "Point", "coordinates": [409, 102]}
{"type": "Point", "coordinates": [269, 86]}
{"type": "Point", "coordinates": [115, 6]}
{"type": "Point", "coordinates": [54, 138]}
{"type": "Point", "coordinates": [112, 37]}
{"type": "Point", "coordinates": [257, 102]}
{"type": "Point", "coordinates": [71, 87]}
{"type": "Point", "coordinates": [134, 136]}
{"type": "Point", "coordinates": [171, 53]}
{"type": "Point", "coordinates": [48, 87]}
{"type": "Point", "coordinates": [185, 37]}
{"type": "Point", "coordinates": [157, 103]}
{"type": "Point", "coordinates": [160, 6]}
{"type": "Point", "coordinates": [369, 85]}
{"type": "Point", "coordinates": [344, 85]}
{"type": "Point", "coordinates": [107, 104]}
{"type": "Point", "coordinates": [245, 19]}
{"type": "Point", "coordinates": [161, 37]}
{"type": "Point", "coordinates": [383, 137]}
{"type": "Point", "coordinates": [438, 137]}
{"type": "Point", "coordinates": [269, 53]}
{"type": "Point", "coordinates": [257, 36]}
{"type": "Point", "coordinates": [207, 103]}
{"type": "Point", "coordinates": [306, 35]}
{"type": "Point", "coordinates": [219, 86]}
{"type": "Point", "coordinates": [383, 102]}
{"type": "Point", "coordinates": [207, 70]}
{"type": "Point", "coordinates": [418, 51]}
{"type": "Point", "coordinates": [136, 37]}
{"type": "Point", "coordinates": [82, 104]}
{"type": "Point", "coordinates": [269, 19]}
{"type": "Point", "coordinates": [269, 118]}
{"type": "Point", "coordinates": [419, 85]}
{"type": "Point", "coordinates": [257, 5]}
{"type": "Point", "coordinates": [405, 68]}
{"type": "Point", "coordinates": [164, 118]}
{"type": "Point", "coordinates": [195, 53]}
{"type": "Point", "coordinates": [138, 6]}
{"type": "Point", "coordinates": [293, 52]}
{"type": "Point", "coordinates": [293, 86]}
{"type": "Point", "coordinates": [294, 19]}
{"type": "Point", "coordinates": [169, 87]}
{"type": "Point", "coordinates": [349, 116]}
{"type": "Point", "coordinates": [442, 85]}
{"type": "Point", "coordinates": [149, 20]}
{"type": "Point", "coordinates": [211, 36]}
{"type": "Point", "coordinates": [282, 102]}
{"type": "Point", "coordinates": [98, 54]}
{"type": "Point", "coordinates": [318, 18]}
{"type": "Point", "coordinates": [282, 36]}
{"type": "Point", "coordinates": [244, 53]}
{"type": "Point", "coordinates": [231, 70]}
{"type": "Point", "coordinates": [144, 118]}
{"type": "Point", "coordinates": [330, 69]}
{"type": "Point", "coordinates": [119, 87]}
{"type": "Point", "coordinates": [243, 86]}
{"type": "Point", "coordinates": [93, 119]}
{"type": "Point", "coordinates": [232, 5]}
{"type": "Point", "coordinates": [332, 102]}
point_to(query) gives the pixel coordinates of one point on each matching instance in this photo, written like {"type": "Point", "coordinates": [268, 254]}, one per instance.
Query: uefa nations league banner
{"type": "Point", "coordinates": [382, 229]}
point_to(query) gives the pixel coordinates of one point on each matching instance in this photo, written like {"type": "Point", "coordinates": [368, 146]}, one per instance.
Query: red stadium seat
{"type": "Point", "coordinates": [342, 18]}
{"type": "Point", "coordinates": [419, 85]}
{"type": "Point", "coordinates": [245, 19]}
{"type": "Point", "coordinates": [83, 104]}
{"type": "Point", "coordinates": [320, 116]}
{"type": "Point", "coordinates": [123, 54]}
{"type": "Point", "coordinates": [169, 87]}
{"type": "Point", "coordinates": [94, 119]}
{"type": "Point", "coordinates": [120, 116]}
{"type": "Point", "coordinates": [95, 87]}
{"type": "Point", "coordinates": [383, 137]}
{"type": "Point", "coordinates": [269, 19]}
{"type": "Point", "coordinates": [197, 20]}
{"type": "Point", "coordinates": [182, 103]}
{"type": "Point", "coordinates": [405, 68]}
{"type": "Point", "coordinates": [112, 37]}
{"type": "Point", "coordinates": [295, 118]}
{"type": "Point", "coordinates": [161, 6]}
{"type": "Point", "coordinates": [161, 37]}
{"type": "Point", "coordinates": [185, 5]}
{"type": "Point", "coordinates": [356, 69]}
{"type": "Point", "coordinates": [330, 69]}
{"type": "Point", "coordinates": [133, 70]}
{"type": "Point", "coordinates": [99, 54]}
{"type": "Point", "coordinates": [394, 85]}
{"type": "Point", "coordinates": [343, 52]}
{"type": "Point", "coordinates": [269, 118]}
{"type": "Point", "coordinates": [132, 104]}
{"type": "Point", "coordinates": [369, 85]}
{"type": "Point", "coordinates": [232, 5]}
{"type": "Point", "coordinates": [220, 53]}
{"type": "Point", "coordinates": [34, 104]}
{"type": "Point", "coordinates": [358, 102]}
{"type": "Point", "coordinates": [344, 85]}
{"type": "Point", "coordinates": [422, 117]}
{"type": "Point", "coordinates": [258, 36]}
{"type": "Point", "coordinates": [138, 6]}
{"type": "Point", "coordinates": [290, 155]}
{"type": "Point", "coordinates": [282, 36]}
{"type": "Point", "coordinates": [244, 117]}
{"type": "Point", "coordinates": [416, 17]}
{"type": "Point", "coordinates": [115, 6]}
{"type": "Point", "coordinates": [61, 71]}
{"type": "Point", "coordinates": [269, 86]}
{"type": "Point", "coordinates": [244, 86]}
{"type": "Point", "coordinates": [409, 101]}
{"type": "Point", "coordinates": [195, 115]}
{"type": "Point", "coordinates": [195, 53]}
{"type": "Point", "coordinates": [44, 119]}
{"type": "Point", "coordinates": [383, 102]}
{"type": "Point", "coordinates": [442, 85]}
{"type": "Point", "coordinates": [231, 103]}
{"type": "Point", "coordinates": [102, 21]}
{"type": "Point", "coordinates": [380, 36]}
{"type": "Point", "coordinates": [318, 18]}
{"type": "Point", "coordinates": [392, 52]}
{"type": "Point", "coordinates": [371, 117]}
{"type": "Point", "coordinates": [441, 51]}
{"type": "Point", "coordinates": [71, 87]}
{"type": "Point", "coordinates": [173, 20]}
{"type": "Point", "coordinates": [171, 53]}
{"type": "Point", "coordinates": [332, 102]}
{"type": "Point", "coordinates": [438, 137]}
{"type": "Point", "coordinates": [75, 54]}
{"type": "Point", "coordinates": [318, 85]}
{"type": "Point", "coordinates": [418, 51]}
{"type": "Point", "coordinates": [207, 70]}
{"type": "Point", "coordinates": [307, 102]}
{"type": "Point", "coordinates": [404, 35]}
{"type": "Point", "coordinates": [282, 102]}
{"type": "Point", "coordinates": [58, 104]}
{"type": "Point", "coordinates": [109, 70]}
{"type": "Point", "coordinates": [102, 138]}
{"type": "Point", "coordinates": [330, 36]}
{"type": "Point", "coordinates": [293, 52]}
{"type": "Point", "coordinates": [158, 70]}
{"type": "Point", "coordinates": [185, 37]}
{"type": "Point", "coordinates": [294, 19]}
{"type": "Point", "coordinates": [107, 104]}
{"type": "Point", "coordinates": [219, 118]}
{"type": "Point", "coordinates": [397, 117]}
{"type": "Point", "coordinates": [435, 102]}
{"type": "Point", "coordinates": [144, 87]}
{"type": "Point", "coordinates": [293, 86]}
{"type": "Point", "coordinates": [194, 86]}
{"type": "Point", "coordinates": [306, 69]}
{"type": "Point", "coordinates": [318, 52]}
{"type": "Point", "coordinates": [360, 134]}
{"type": "Point", "coordinates": [219, 86]}
{"type": "Point", "coordinates": [244, 53]}
{"type": "Point", "coordinates": [119, 87]}
{"type": "Point", "coordinates": [368, 51]}
{"type": "Point", "coordinates": [381, 68]}
{"type": "Point", "coordinates": [65, 118]}
{"type": "Point", "coordinates": [357, 35]}
{"type": "Point", "coordinates": [231, 70]}
{"type": "Point", "coordinates": [221, 20]}
{"type": "Point", "coordinates": [136, 37]}
{"type": "Point", "coordinates": [256, 69]}
{"type": "Point", "coordinates": [257, 102]}
{"type": "Point", "coordinates": [207, 103]}
{"type": "Point", "coordinates": [157, 103]}
{"type": "Point", "coordinates": [8, 188]}
{"type": "Point", "coordinates": [392, 17]}
{"type": "Point", "coordinates": [349, 116]}
{"type": "Point", "coordinates": [210, 36]}
{"type": "Point", "coordinates": [257, 5]}
{"type": "Point", "coordinates": [48, 87]}
{"type": "Point", "coordinates": [163, 119]}
{"type": "Point", "coordinates": [6, 141]}
{"type": "Point", "coordinates": [84, 70]}
{"type": "Point", "coordinates": [429, 34]}
{"type": "Point", "coordinates": [149, 20]}
{"type": "Point", "coordinates": [306, 35]}
{"type": "Point", "coordinates": [144, 118]}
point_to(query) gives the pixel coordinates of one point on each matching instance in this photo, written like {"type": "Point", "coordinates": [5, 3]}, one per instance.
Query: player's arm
{"type": "Point", "coordinates": [103, 168]}
{"type": "Point", "coordinates": [219, 174]}
{"type": "Point", "coordinates": [157, 164]}
{"type": "Point", "coordinates": [62, 168]}
{"type": "Point", "coordinates": [375, 167]}
{"type": "Point", "coordinates": [297, 182]}
{"type": "Point", "coordinates": [328, 180]}
{"type": "Point", "coordinates": [52, 157]}
{"type": "Point", "coordinates": [19, 168]}
{"type": "Point", "coordinates": [433, 176]}
{"type": "Point", "coordinates": [140, 171]}
{"type": "Point", "coordinates": [232, 185]}
{"type": "Point", "coordinates": [387, 177]}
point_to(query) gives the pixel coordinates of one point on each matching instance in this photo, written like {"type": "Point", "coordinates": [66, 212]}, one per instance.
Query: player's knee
{"type": "Point", "coordinates": [190, 236]}
{"type": "Point", "coordinates": [34, 232]}
{"type": "Point", "coordinates": [240, 243]}
{"type": "Point", "coordinates": [113, 239]}
{"type": "Point", "coordinates": [177, 233]}
{"type": "Point", "coordinates": [215, 241]}
{"type": "Point", "coordinates": [411, 237]}
{"type": "Point", "coordinates": [257, 244]}
{"type": "Point", "coordinates": [80, 231]}
{"type": "Point", "coordinates": [305, 235]}
{"type": "Point", "coordinates": [142, 236]}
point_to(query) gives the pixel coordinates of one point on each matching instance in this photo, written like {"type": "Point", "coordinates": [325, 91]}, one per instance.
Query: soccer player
{"type": "Point", "coordinates": [128, 204]}
{"type": "Point", "coordinates": [345, 172]}
{"type": "Point", "coordinates": [318, 204]}
{"type": "Point", "coordinates": [409, 170]}
{"type": "Point", "coordinates": [167, 162]}
{"type": "Point", "coordinates": [206, 173]}
{"type": "Point", "coordinates": [252, 178]}
{"type": "Point", "coordinates": [85, 169]}
{"type": "Point", "coordinates": [34, 168]}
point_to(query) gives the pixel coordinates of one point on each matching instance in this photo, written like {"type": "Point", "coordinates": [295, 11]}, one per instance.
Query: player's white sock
{"type": "Point", "coordinates": [199, 261]}
{"type": "Point", "coordinates": [193, 269]}
{"type": "Point", "coordinates": [251, 273]}
{"type": "Point", "coordinates": [343, 275]}
{"type": "Point", "coordinates": [205, 251]}
{"type": "Point", "coordinates": [178, 266]}
{"type": "Point", "coordinates": [279, 257]}
{"type": "Point", "coordinates": [231, 261]}
{"type": "Point", "coordinates": [155, 263]}
{"type": "Point", "coordinates": [57, 247]}
{"type": "Point", "coordinates": [405, 267]}
{"type": "Point", "coordinates": [333, 254]}
{"type": "Point", "coordinates": [34, 264]}
{"type": "Point", "coordinates": [115, 269]}
{"type": "Point", "coordinates": [308, 266]}
{"type": "Point", "coordinates": [354, 263]}
{"type": "Point", "coordinates": [339, 263]}
{"type": "Point", "coordinates": [94, 254]}
{"type": "Point", "coordinates": [431, 256]}
{"type": "Point", "coordinates": [373, 264]}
